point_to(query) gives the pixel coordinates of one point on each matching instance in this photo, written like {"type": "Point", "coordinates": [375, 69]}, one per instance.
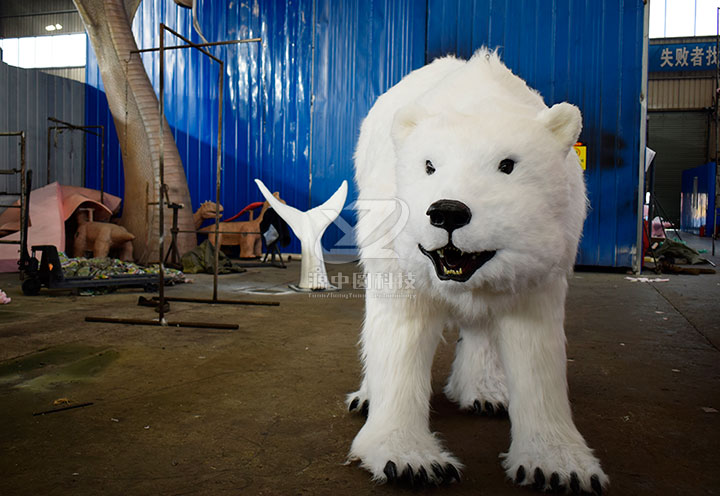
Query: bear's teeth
{"type": "Point", "coordinates": [441, 251]}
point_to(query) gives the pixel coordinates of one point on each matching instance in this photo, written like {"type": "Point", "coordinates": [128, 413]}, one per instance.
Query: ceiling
{"type": "Point", "coordinates": [20, 18]}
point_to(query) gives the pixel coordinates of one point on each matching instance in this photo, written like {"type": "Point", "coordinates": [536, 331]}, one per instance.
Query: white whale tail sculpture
{"type": "Point", "coordinates": [309, 228]}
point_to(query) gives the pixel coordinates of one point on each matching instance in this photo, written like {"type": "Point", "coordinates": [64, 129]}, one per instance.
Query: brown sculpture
{"type": "Point", "coordinates": [206, 211]}
{"type": "Point", "coordinates": [134, 107]}
{"type": "Point", "coordinates": [245, 234]}
{"type": "Point", "coordinates": [100, 238]}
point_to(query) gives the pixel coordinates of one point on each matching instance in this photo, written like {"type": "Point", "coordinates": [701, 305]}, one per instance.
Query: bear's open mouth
{"type": "Point", "coordinates": [451, 263]}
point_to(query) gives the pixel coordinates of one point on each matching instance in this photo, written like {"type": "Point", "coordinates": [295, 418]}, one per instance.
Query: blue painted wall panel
{"type": "Point", "coordinates": [362, 48]}
{"type": "Point", "coordinates": [588, 53]}
{"type": "Point", "coordinates": [266, 107]}
{"type": "Point", "coordinates": [292, 114]}
{"type": "Point", "coordinates": [98, 113]}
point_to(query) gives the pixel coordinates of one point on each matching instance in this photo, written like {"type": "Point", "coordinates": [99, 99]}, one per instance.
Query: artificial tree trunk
{"type": "Point", "coordinates": [134, 107]}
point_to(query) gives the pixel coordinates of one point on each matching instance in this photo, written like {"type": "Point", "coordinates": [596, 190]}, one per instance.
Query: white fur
{"type": "Point", "coordinates": [477, 373]}
{"type": "Point", "coordinates": [467, 116]}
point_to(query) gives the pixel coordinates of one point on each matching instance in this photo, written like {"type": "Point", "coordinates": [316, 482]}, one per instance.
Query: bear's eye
{"type": "Point", "coordinates": [506, 165]}
{"type": "Point", "coordinates": [429, 167]}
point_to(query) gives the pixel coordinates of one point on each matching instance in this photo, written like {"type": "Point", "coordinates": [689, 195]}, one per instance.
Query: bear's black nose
{"type": "Point", "coordinates": [449, 214]}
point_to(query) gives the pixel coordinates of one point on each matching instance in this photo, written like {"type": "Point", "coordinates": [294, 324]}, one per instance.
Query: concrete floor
{"type": "Point", "coordinates": [260, 410]}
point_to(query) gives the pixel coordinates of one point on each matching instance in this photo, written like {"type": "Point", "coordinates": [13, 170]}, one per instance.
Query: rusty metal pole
{"type": "Point", "coordinates": [717, 124]}
{"type": "Point", "coordinates": [102, 165]}
{"type": "Point", "coordinates": [24, 196]}
{"type": "Point", "coordinates": [197, 45]}
{"type": "Point", "coordinates": [217, 179]}
{"type": "Point", "coordinates": [50, 128]}
{"type": "Point", "coordinates": [161, 185]}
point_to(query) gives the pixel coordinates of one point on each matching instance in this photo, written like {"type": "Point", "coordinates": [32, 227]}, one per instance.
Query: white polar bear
{"type": "Point", "coordinates": [491, 193]}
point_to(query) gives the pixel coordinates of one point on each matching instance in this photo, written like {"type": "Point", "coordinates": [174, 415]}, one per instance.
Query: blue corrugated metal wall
{"type": "Point", "coordinates": [588, 53]}
{"type": "Point", "coordinates": [362, 49]}
{"type": "Point", "coordinates": [267, 107]}
{"type": "Point", "coordinates": [585, 52]}
{"type": "Point", "coordinates": [266, 98]}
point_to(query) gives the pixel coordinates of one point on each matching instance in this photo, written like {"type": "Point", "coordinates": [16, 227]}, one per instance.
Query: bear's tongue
{"type": "Point", "coordinates": [453, 257]}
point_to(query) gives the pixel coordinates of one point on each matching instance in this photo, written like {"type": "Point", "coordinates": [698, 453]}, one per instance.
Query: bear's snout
{"type": "Point", "coordinates": [449, 214]}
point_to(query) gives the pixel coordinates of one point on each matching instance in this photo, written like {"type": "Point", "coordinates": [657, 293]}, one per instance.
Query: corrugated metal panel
{"type": "Point", "coordinates": [666, 94]}
{"type": "Point", "coordinates": [267, 114]}
{"type": "Point", "coordinates": [97, 113]}
{"type": "Point", "coordinates": [74, 73]}
{"type": "Point", "coordinates": [27, 99]}
{"type": "Point", "coordinates": [363, 48]}
{"type": "Point", "coordinates": [20, 18]}
{"type": "Point", "coordinates": [588, 53]}
{"type": "Point", "coordinates": [23, 7]}
{"type": "Point", "coordinates": [266, 111]}
{"type": "Point", "coordinates": [682, 39]}
{"type": "Point", "coordinates": [19, 27]}
{"type": "Point", "coordinates": [680, 140]}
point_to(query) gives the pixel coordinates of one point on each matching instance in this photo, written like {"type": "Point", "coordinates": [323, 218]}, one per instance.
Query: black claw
{"type": "Point", "coordinates": [439, 472]}
{"type": "Point", "coordinates": [365, 408]}
{"type": "Point", "coordinates": [520, 475]}
{"type": "Point", "coordinates": [390, 471]}
{"type": "Point", "coordinates": [574, 483]}
{"type": "Point", "coordinates": [452, 472]}
{"type": "Point", "coordinates": [555, 482]}
{"type": "Point", "coordinates": [596, 486]}
{"type": "Point", "coordinates": [489, 408]}
{"type": "Point", "coordinates": [539, 483]}
{"type": "Point", "coordinates": [421, 477]}
{"type": "Point", "coordinates": [501, 412]}
{"type": "Point", "coordinates": [407, 476]}
{"type": "Point", "coordinates": [354, 404]}
{"type": "Point", "coordinates": [477, 408]}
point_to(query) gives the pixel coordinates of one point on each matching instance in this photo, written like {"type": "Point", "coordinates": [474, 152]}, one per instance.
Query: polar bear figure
{"type": "Point", "coordinates": [487, 203]}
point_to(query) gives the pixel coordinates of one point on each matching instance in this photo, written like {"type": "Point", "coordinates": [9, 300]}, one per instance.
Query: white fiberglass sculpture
{"type": "Point", "coordinates": [309, 228]}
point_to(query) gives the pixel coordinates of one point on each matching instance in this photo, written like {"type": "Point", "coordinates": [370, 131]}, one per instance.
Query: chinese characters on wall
{"type": "Point", "coordinates": [683, 57]}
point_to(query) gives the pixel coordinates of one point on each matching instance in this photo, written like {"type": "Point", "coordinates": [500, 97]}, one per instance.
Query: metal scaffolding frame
{"type": "Point", "coordinates": [162, 191]}
{"type": "Point", "coordinates": [24, 194]}
{"type": "Point", "coordinates": [87, 130]}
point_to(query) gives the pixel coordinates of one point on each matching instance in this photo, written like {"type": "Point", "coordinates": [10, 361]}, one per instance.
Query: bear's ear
{"type": "Point", "coordinates": [405, 120]}
{"type": "Point", "coordinates": [564, 121]}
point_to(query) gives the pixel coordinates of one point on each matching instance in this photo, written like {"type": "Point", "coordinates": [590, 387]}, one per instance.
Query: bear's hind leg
{"type": "Point", "coordinates": [477, 380]}
{"type": "Point", "coordinates": [358, 402]}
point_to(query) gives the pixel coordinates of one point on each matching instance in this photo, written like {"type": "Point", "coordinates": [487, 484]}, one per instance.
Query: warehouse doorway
{"type": "Point", "coordinates": [681, 140]}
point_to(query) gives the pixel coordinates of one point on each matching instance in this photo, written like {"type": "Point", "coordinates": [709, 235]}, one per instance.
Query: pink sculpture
{"type": "Point", "coordinates": [50, 207]}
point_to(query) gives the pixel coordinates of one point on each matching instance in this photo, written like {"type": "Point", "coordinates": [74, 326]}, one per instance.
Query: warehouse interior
{"type": "Point", "coordinates": [181, 296]}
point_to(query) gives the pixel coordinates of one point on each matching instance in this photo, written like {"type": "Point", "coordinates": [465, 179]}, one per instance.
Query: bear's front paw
{"type": "Point", "coordinates": [420, 477]}
{"type": "Point", "coordinates": [358, 402]}
{"type": "Point", "coordinates": [556, 467]}
{"type": "Point", "coordinates": [405, 459]}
